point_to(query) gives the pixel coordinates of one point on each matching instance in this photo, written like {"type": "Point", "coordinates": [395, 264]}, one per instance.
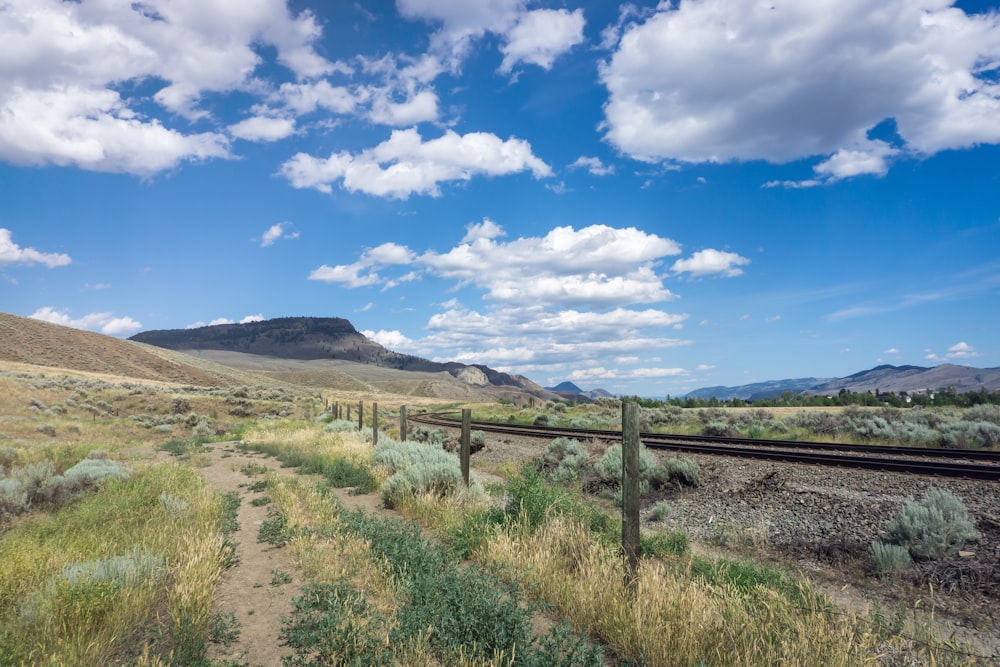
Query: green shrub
{"type": "Point", "coordinates": [660, 511]}
{"type": "Point", "coordinates": [395, 456]}
{"type": "Point", "coordinates": [609, 466]}
{"type": "Point", "coordinates": [565, 460]}
{"type": "Point", "coordinates": [440, 478]}
{"type": "Point", "coordinates": [936, 527]}
{"type": "Point", "coordinates": [682, 472]}
{"type": "Point", "coordinates": [887, 558]}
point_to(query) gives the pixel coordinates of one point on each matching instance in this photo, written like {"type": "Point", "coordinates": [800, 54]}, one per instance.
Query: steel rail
{"type": "Point", "coordinates": [891, 459]}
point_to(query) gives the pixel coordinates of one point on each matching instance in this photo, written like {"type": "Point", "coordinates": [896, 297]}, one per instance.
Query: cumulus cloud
{"type": "Point", "coordinates": [393, 340]}
{"type": "Point", "coordinates": [800, 80]}
{"type": "Point", "coordinates": [105, 323]}
{"type": "Point", "coordinates": [540, 36]}
{"type": "Point", "coordinates": [11, 253]}
{"type": "Point", "coordinates": [275, 232]}
{"type": "Point", "coordinates": [405, 164]}
{"type": "Point", "coordinates": [64, 67]}
{"type": "Point", "coordinates": [593, 165]}
{"type": "Point", "coordinates": [961, 350]}
{"type": "Point", "coordinates": [535, 37]}
{"type": "Point", "coordinates": [711, 262]}
{"type": "Point", "coordinates": [569, 296]}
{"type": "Point", "coordinates": [263, 128]}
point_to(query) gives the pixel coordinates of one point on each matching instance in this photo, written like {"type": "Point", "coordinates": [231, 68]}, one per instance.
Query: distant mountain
{"type": "Point", "coordinates": [569, 390]}
{"type": "Point", "coordinates": [323, 338]}
{"type": "Point", "coordinates": [566, 387]}
{"type": "Point", "coordinates": [913, 379]}
{"type": "Point", "coordinates": [757, 390]}
{"type": "Point", "coordinates": [896, 379]}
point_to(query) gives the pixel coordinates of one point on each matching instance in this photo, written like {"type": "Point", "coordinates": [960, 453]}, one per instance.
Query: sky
{"type": "Point", "coordinates": [645, 198]}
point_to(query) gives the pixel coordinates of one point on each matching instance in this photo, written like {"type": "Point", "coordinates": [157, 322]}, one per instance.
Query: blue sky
{"type": "Point", "coordinates": [645, 198]}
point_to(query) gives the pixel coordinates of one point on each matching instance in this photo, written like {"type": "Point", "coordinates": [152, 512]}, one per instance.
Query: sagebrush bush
{"type": "Point", "coordinates": [888, 558]}
{"type": "Point", "coordinates": [681, 472]}
{"type": "Point", "coordinates": [609, 466]}
{"type": "Point", "coordinates": [936, 527]}
{"type": "Point", "coordinates": [439, 478]}
{"type": "Point", "coordinates": [93, 471]}
{"type": "Point", "coordinates": [565, 460]}
{"type": "Point", "coordinates": [393, 456]}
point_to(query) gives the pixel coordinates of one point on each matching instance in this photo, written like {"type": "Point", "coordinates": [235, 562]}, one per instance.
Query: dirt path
{"type": "Point", "coordinates": [259, 589]}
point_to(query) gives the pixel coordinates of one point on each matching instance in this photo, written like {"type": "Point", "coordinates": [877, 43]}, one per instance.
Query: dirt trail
{"type": "Point", "coordinates": [259, 589]}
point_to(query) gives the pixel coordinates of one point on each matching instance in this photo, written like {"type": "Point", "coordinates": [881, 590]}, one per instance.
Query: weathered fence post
{"type": "Point", "coordinates": [402, 423]}
{"type": "Point", "coordinates": [348, 406]}
{"type": "Point", "coordinates": [374, 424]}
{"type": "Point", "coordinates": [361, 414]}
{"type": "Point", "coordinates": [630, 493]}
{"type": "Point", "coordinates": [465, 444]}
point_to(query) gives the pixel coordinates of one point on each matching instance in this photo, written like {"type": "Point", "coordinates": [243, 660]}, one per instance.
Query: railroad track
{"type": "Point", "coordinates": [953, 463]}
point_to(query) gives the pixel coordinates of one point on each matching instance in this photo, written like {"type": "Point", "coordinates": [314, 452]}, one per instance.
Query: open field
{"type": "Point", "coordinates": [156, 522]}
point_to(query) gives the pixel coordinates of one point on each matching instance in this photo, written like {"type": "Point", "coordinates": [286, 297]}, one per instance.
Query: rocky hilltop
{"type": "Point", "coordinates": [324, 338]}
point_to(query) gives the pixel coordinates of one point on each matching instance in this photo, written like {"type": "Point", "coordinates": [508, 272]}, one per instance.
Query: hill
{"type": "Point", "coordinates": [331, 350]}
{"type": "Point", "coordinates": [885, 378]}
{"type": "Point", "coordinates": [36, 343]}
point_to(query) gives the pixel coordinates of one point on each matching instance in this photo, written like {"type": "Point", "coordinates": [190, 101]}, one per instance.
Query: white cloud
{"type": "Point", "coordinates": [64, 67]}
{"type": "Point", "coordinates": [276, 232]}
{"type": "Point", "coordinates": [263, 128]}
{"type": "Point", "coordinates": [105, 323]}
{"type": "Point", "coordinates": [710, 262]}
{"type": "Point", "coordinates": [307, 97]}
{"type": "Point", "coordinates": [11, 253]}
{"type": "Point", "coordinates": [393, 340]}
{"type": "Point", "coordinates": [593, 165]}
{"type": "Point", "coordinates": [798, 80]}
{"type": "Point", "coordinates": [417, 108]}
{"type": "Point", "coordinates": [540, 36]}
{"type": "Point", "coordinates": [961, 350]}
{"type": "Point", "coordinates": [405, 164]}
{"type": "Point", "coordinates": [487, 229]}
{"type": "Point", "coordinates": [463, 21]}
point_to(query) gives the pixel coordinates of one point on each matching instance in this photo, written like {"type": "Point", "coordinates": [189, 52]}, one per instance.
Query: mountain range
{"type": "Point", "coordinates": [885, 378]}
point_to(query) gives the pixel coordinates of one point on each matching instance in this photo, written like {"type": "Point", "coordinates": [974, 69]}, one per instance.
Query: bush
{"type": "Point", "coordinates": [936, 527]}
{"type": "Point", "coordinates": [609, 466]}
{"type": "Point", "coordinates": [887, 558]}
{"type": "Point", "coordinates": [439, 478]}
{"type": "Point", "coordinates": [682, 472]}
{"type": "Point", "coordinates": [565, 460]}
{"type": "Point", "coordinates": [93, 471]}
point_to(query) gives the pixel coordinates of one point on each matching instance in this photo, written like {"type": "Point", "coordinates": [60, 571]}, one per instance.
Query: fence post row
{"type": "Point", "coordinates": [630, 494]}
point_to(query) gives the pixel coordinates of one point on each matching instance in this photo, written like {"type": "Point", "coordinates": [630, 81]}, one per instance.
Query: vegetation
{"type": "Point", "coordinates": [108, 558]}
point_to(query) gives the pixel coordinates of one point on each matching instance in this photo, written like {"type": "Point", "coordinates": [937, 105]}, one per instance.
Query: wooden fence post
{"type": "Point", "coordinates": [631, 548]}
{"type": "Point", "coordinates": [361, 414]}
{"type": "Point", "coordinates": [402, 423]}
{"type": "Point", "coordinates": [374, 424]}
{"type": "Point", "coordinates": [465, 444]}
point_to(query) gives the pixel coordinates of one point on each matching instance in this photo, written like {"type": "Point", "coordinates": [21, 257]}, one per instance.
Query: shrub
{"type": "Point", "coordinates": [936, 527]}
{"type": "Point", "coordinates": [565, 460]}
{"type": "Point", "coordinates": [682, 472]}
{"type": "Point", "coordinates": [887, 558]}
{"type": "Point", "coordinates": [439, 478]}
{"type": "Point", "coordinates": [609, 466]}
{"type": "Point", "coordinates": [395, 456]}
{"type": "Point", "coordinates": [46, 429]}
{"type": "Point", "coordinates": [718, 429]}
{"type": "Point", "coordinates": [660, 511]}
{"type": "Point", "coordinates": [179, 405]}
{"type": "Point", "coordinates": [93, 471]}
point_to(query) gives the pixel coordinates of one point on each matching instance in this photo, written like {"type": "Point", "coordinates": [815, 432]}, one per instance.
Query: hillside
{"type": "Point", "coordinates": [33, 342]}
{"type": "Point", "coordinates": [886, 378]}
{"type": "Point", "coordinates": [26, 342]}
{"type": "Point", "coordinates": [318, 341]}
